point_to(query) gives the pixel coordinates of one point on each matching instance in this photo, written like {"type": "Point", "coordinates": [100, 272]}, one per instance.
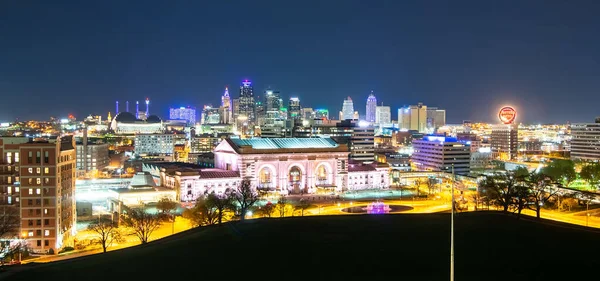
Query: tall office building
{"type": "Point", "coordinates": [347, 109]}
{"type": "Point", "coordinates": [247, 103]}
{"type": "Point", "coordinates": [438, 153]}
{"type": "Point", "coordinates": [294, 108]}
{"type": "Point", "coordinates": [10, 182]}
{"type": "Point", "coordinates": [413, 117]}
{"type": "Point", "coordinates": [504, 141]}
{"type": "Point", "coordinates": [436, 117]}
{"type": "Point", "coordinates": [371, 108]}
{"type": "Point", "coordinates": [226, 109]}
{"type": "Point", "coordinates": [183, 113]}
{"type": "Point", "coordinates": [307, 113]}
{"type": "Point", "coordinates": [383, 115]}
{"type": "Point", "coordinates": [322, 114]}
{"type": "Point", "coordinates": [47, 193]}
{"type": "Point", "coordinates": [210, 115]}
{"type": "Point", "coordinates": [272, 105]}
{"type": "Point", "coordinates": [585, 142]}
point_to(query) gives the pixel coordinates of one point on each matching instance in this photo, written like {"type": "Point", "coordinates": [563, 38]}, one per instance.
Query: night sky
{"type": "Point", "coordinates": [469, 57]}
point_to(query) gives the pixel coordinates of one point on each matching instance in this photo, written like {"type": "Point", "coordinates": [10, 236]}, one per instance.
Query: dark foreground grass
{"type": "Point", "coordinates": [489, 246]}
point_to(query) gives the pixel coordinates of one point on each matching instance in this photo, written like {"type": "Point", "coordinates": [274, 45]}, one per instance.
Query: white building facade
{"type": "Point", "coordinates": [154, 144]}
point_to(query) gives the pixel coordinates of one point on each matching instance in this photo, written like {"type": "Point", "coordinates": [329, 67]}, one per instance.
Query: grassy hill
{"type": "Point", "coordinates": [489, 246]}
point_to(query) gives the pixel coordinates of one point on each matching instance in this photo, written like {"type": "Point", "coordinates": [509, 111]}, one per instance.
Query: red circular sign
{"type": "Point", "coordinates": [507, 115]}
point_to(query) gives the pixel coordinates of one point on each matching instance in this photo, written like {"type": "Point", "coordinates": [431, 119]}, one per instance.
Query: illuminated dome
{"type": "Point", "coordinates": [153, 119]}
{"type": "Point", "coordinates": [125, 117]}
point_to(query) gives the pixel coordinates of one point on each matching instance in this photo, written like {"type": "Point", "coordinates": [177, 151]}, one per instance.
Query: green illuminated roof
{"type": "Point", "coordinates": [286, 143]}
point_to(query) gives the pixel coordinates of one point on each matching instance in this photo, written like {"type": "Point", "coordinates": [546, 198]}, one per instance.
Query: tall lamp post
{"type": "Point", "coordinates": [452, 230]}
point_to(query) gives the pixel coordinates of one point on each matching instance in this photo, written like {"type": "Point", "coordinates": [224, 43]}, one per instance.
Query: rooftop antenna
{"type": "Point", "coordinates": [117, 111]}
{"type": "Point", "coordinates": [137, 109]}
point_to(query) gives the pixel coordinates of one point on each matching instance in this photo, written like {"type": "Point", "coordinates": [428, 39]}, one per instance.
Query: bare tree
{"type": "Point", "coordinates": [107, 233]}
{"type": "Point", "coordinates": [245, 197]}
{"type": "Point", "coordinates": [281, 206]}
{"type": "Point", "coordinates": [499, 188]}
{"type": "Point", "coordinates": [141, 222]}
{"type": "Point", "coordinates": [220, 203]}
{"type": "Point", "coordinates": [9, 221]}
{"type": "Point", "coordinates": [521, 196]}
{"type": "Point", "coordinates": [267, 210]}
{"type": "Point", "coordinates": [166, 206]}
{"type": "Point", "coordinates": [303, 205]}
{"type": "Point", "coordinates": [203, 213]}
{"type": "Point", "coordinates": [541, 190]}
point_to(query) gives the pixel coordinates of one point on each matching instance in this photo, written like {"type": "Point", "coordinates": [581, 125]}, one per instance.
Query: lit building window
{"type": "Point", "coordinates": [16, 189]}
{"type": "Point", "coordinates": [46, 180]}
{"type": "Point", "coordinates": [9, 189]}
{"type": "Point", "coordinates": [30, 233]}
{"type": "Point", "coordinates": [46, 232]}
{"type": "Point", "coordinates": [30, 170]}
{"type": "Point", "coordinates": [30, 191]}
{"type": "Point", "coordinates": [45, 211]}
{"type": "Point", "coordinates": [37, 191]}
{"type": "Point", "coordinates": [38, 170]}
{"type": "Point", "coordinates": [9, 157]}
{"type": "Point", "coordinates": [16, 157]}
{"type": "Point", "coordinates": [46, 170]}
{"type": "Point", "coordinates": [38, 181]}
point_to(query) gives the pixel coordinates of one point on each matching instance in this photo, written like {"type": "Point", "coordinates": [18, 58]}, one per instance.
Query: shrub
{"type": "Point", "coordinates": [51, 251]}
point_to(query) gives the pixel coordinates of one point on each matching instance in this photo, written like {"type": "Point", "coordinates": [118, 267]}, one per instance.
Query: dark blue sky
{"type": "Point", "coordinates": [470, 57]}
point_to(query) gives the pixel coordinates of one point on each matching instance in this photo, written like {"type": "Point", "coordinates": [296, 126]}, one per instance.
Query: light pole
{"type": "Point", "coordinates": [587, 213]}
{"type": "Point", "coordinates": [452, 230]}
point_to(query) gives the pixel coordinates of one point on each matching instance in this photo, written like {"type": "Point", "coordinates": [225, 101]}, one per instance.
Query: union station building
{"type": "Point", "coordinates": [280, 165]}
{"type": "Point", "coordinates": [298, 165]}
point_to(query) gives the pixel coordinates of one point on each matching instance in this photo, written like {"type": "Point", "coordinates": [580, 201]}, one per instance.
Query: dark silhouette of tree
{"type": "Point", "coordinates": [9, 221]}
{"type": "Point", "coordinates": [561, 170]}
{"type": "Point", "coordinates": [203, 213]}
{"type": "Point", "coordinates": [244, 196]}
{"type": "Point", "coordinates": [267, 210]}
{"type": "Point", "coordinates": [141, 222]}
{"type": "Point", "coordinates": [540, 190]}
{"type": "Point", "coordinates": [499, 188]}
{"type": "Point", "coordinates": [220, 203]}
{"type": "Point", "coordinates": [591, 173]}
{"type": "Point", "coordinates": [281, 206]}
{"type": "Point", "coordinates": [303, 204]}
{"type": "Point", "coordinates": [107, 233]}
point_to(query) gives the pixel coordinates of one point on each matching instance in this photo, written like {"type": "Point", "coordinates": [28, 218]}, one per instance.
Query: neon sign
{"type": "Point", "coordinates": [507, 115]}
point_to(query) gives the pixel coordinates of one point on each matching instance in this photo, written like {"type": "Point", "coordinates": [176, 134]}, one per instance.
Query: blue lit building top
{"type": "Point", "coordinates": [440, 138]}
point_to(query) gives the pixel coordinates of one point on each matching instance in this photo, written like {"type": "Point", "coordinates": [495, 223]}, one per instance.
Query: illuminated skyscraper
{"type": "Point", "coordinates": [294, 108]}
{"type": "Point", "coordinates": [183, 113]}
{"type": "Point", "coordinates": [371, 107]}
{"type": "Point", "coordinates": [347, 109]}
{"type": "Point", "coordinates": [226, 108]}
{"type": "Point", "coordinates": [383, 115]}
{"type": "Point", "coordinates": [413, 117]}
{"type": "Point", "coordinates": [246, 101]}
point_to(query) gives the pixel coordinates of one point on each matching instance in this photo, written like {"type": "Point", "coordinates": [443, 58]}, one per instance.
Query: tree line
{"type": "Point", "coordinates": [520, 189]}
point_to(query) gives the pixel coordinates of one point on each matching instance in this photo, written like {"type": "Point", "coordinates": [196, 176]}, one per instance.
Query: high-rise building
{"type": "Point", "coordinates": [259, 112]}
{"type": "Point", "coordinates": [210, 115]}
{"type": "Point", "coordinates": [226, 108]}
{"type": "Point", "coordinates": [273, 104]}
{"type": "Point", "coordinates": [183, 113]}
{"type": "Point", "coordinates": [347, 109]}
{"type": "Point", "coordinates": [294, 108]}
{"type": "Point", "coordinates": [371, 108]}
{"type": "Point", "coordinates": [504, 141]}
{"type": "Point", "coordinates": [47, 193]}
{"type": "Point", "coordinates": [438, 153]}
{"type": "Point", "coordinates": [413, 117]}
{"type": "Point", "coordinates": [322, 114]}
{"type": "Point", "coordinates": [91, 155]}
{"type": "Point", "coordinates": [154, 144]}
{"type": "Point", "coordinates": [585, 142]}
{"type": "Point", "coordinates": [247, 103]}
{"type": "Point", "coordinates": [10, 182]}
{"type": "Point", "coordinates": [436, 117]}
{"type": "Point", "coordinates": [307, 113]}
{"type": "Point", "coordinates": [383, 115]}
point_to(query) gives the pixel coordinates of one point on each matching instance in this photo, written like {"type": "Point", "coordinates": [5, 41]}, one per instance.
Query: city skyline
{"type": "Point", "coordinates": [466, 58]}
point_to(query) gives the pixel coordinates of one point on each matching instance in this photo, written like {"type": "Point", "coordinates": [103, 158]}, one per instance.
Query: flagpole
{"type": "Point", "coordinates": [452, 230]}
